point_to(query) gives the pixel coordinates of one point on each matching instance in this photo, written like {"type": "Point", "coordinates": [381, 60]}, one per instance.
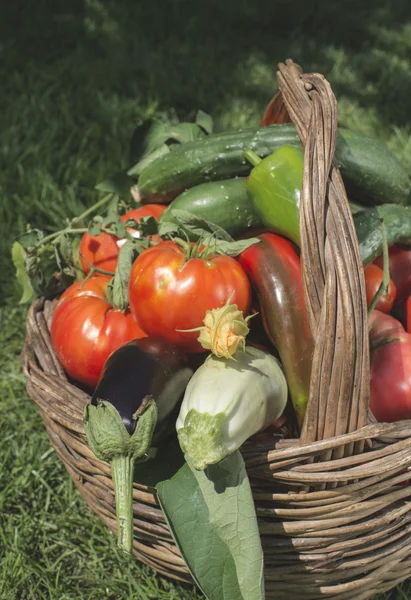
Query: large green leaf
{"type": "Point", "coordinates": [212, 517]}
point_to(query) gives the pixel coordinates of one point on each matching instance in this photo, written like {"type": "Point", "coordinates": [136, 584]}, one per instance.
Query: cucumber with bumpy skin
{"type": "Point", "coordinates": [371, 173]}
{"type": "Point", "coordinates": [225, 203]}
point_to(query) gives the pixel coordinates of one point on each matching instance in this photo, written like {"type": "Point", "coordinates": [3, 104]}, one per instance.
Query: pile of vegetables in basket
{"type": "Point", "coordinates": [183, 311]}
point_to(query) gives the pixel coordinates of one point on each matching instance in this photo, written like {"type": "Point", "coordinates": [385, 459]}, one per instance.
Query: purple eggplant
{"type": "Point", "coordinates": [142, 383]}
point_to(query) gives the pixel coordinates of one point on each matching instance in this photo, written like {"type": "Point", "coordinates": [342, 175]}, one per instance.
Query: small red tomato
{"type": "Point", "coordinates": [408, 314]}
{"type": "Point", "coordinates": [400, 271]}
{"type": "Point", "coordinates": [169, 292]}
{"type": "Point", "coordinates": [86, 329]}
{"type": "Point", "coordinates": [102, 250]}
{"type": "Point", "coordinates": [373, 279]}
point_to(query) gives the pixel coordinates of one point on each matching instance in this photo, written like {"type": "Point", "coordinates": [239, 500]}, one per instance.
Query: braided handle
{"type": "Point", "coordinates": [332, 269]}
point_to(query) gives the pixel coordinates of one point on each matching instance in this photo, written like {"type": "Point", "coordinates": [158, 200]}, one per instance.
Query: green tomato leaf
{"type": "Point", "coordinates": [18, 256]}
{"type": "Point", "coordinates": [112, 221]}
{"type": "Point", "coordinates": [30, 239]}
{"type": "Point", "coordinates": [212, 518]}
{"type": "Point", "coordinates": [230, 248]}
{"type": "Point", "coordinates": [204, 121]}
{"type": "Point", "coordinates": [127, 255]}
{"type": "Point", "coordinates": [112, 215]}
{"type": "Point", "coordinates": [146, 138]}
{"type": "Point", "coordinates": [199, 227]}
{"type": "Point", "coordinates": [148, 226]}
{"type": "Point", "coordinates": [94, 226]}
{"type": "Point", "coordinates": [48, 271]}
{"type": "Point", "coordinates": [118, 183]}
{"type": "Point", "coordinates": [75, 258]}
{"type": "Point", "coordinates": [168, 229]}
{"type": "Point", "coordinates": [184, 132]}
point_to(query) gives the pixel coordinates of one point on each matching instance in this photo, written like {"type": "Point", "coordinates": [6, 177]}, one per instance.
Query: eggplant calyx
{"type": "Point", "coordinates": [107, 435]}
{"type": "Point", "coordinates": [110, 441]}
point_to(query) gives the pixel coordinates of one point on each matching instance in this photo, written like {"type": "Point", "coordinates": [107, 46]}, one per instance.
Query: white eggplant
{"type": "Point", "coordinates": [227, 401]}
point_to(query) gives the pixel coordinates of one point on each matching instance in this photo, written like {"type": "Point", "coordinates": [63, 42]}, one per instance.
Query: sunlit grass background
{"type": "Point", "coordinates": [75, 78]}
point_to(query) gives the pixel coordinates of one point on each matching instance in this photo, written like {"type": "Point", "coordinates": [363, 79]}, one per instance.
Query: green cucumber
{"type": "Point", "coordinates": [397, 223]}
{"type": "Point", "coordinates": [225, 203]}
{"type": "Point", "coordinates": [371, 173]}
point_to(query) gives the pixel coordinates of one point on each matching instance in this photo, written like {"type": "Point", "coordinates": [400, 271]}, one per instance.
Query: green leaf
{"type": "Point", "coordinates": [231, 248]}
{"type": "Point", "coordinates": [148, 226]}
{"type": "Point", "coordinates": [112, 220]}
{"type": "Point", "coordinates": [18, 256]}
{"type": "Point", "coordinates": [146, 138]}
{"type": "Point", "coordinates": [48, 271]}
{"type": "Point", "coordinates": [184, 132]}
{"type": "Point", "coordinates": [198, 226]}
{"type": "Point", "coordinates": [167, 228]}
{"type": "Point", "coordinates": [118, 183]}
{"type": "Point", "coordinates": [94, 226]}
{"type": "Point", "coordinates": [75, 258]}
{"type": "Point", "coordinates": [30, 239]}
{"type": "Point", "coordinates": [212, 517]}
{"type": "Point", "coordinates": [126, 257]}
{"type": "Point", "coordinates": [204, 121]}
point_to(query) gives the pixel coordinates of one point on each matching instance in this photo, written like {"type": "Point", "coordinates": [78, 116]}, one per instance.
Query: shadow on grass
{"type": "Point", "coordinates": [185, 54]}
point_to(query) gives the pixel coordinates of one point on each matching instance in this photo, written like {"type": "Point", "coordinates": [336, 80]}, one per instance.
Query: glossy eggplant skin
{"type": "Point", "coordinates": [273, 266]}
{"type": "Point", "coordinates": [144, 368]}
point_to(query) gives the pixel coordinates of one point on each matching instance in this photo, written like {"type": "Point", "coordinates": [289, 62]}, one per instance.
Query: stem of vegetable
{"type": "Point", "coordinates": [186, 246]}
{"type": "Point", "coordinates": [70, 228]}
{"type": "Point", "coordinates": [383, 289]}
{"type": "Point", "coordinates": [93, 269]}
{"type": "Point", "coordinates": [110, 441]}
{"type": "Point", "coordinates": [91, 209]}
{"type": "Point", "coordinates": [252, 157]}
{"type": "Point", "coordinates": [122, 473]}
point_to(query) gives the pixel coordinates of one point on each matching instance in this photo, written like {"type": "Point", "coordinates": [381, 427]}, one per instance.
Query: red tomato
{"type": "Point", "coordinates": [390, 386]}
{"type": "Point", "coordinates": [102, 250]}
{"type": "Point", "coordinates": [86, 329]}
{"type": "Point", "coordinates": [400, 271]}
{"type": "Point", "coordinates": [380, 325]}
{"type": "Point", "coordinates": [373, 279]}
{"type": "Point", "coordinates": [169, 292]}
{"type": "Point", "coordinates": [408, 314]}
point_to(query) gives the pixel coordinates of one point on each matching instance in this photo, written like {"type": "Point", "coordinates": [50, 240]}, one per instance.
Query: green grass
{"type": "Point", "coordinates": [76, 77]}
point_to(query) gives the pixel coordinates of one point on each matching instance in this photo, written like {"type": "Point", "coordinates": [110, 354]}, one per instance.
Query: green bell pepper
{"type": "Point", "coordinates": [274, 186]}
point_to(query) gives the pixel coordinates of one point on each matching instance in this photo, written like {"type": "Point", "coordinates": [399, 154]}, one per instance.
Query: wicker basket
{"type": "Point", "coordinates": [333, 507]}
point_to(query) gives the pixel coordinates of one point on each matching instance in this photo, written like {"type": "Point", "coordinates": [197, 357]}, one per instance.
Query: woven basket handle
{"type": "Point", "coordinates": [332, 269]}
